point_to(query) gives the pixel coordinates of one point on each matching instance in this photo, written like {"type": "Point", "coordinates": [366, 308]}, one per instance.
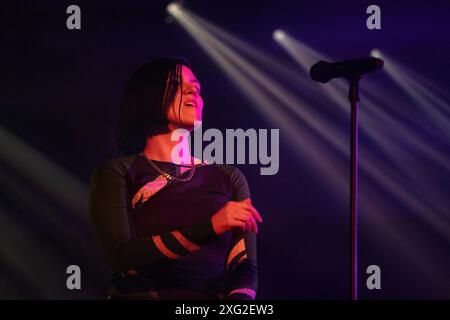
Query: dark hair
{"type": "Point", "coordinates": [147, 95]}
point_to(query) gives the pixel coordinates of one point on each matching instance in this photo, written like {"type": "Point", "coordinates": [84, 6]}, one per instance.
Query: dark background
{"type": "Point", "coordinates": [60, 91]}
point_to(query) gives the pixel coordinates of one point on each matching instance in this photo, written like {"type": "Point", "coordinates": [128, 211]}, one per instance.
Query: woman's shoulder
{"type": "Point", "coordinates": [117, 164]}
{"type": "Point", "coordinates": [237, 179]}
{"type": "Point", "coordinates": [231, 171]}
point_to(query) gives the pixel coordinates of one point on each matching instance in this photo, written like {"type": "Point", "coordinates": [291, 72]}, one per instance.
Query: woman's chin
{"type": "Point", "coordinates": [191, 121]}
{"type": "Point", "coordinates": [190, 124]}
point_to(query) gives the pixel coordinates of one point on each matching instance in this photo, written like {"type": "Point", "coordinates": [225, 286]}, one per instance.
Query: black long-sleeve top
{"type": "Point", "coordinates": [157, 234]}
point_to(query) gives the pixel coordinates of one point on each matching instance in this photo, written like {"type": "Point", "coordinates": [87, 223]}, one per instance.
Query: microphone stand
{"type": "Point", "coordinates": [352, 70]}
{"type": "Point", "coordinates": [353, 97]}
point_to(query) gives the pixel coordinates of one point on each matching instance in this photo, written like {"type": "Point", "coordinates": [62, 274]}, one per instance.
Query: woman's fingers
{"type": "Point", "coordinates": [241, 224]}
{"type": "Point", "coordinates": [247, 205]}
{"type": "Point", "coordinates": [248, 224]}
{"type": "Point", "coordinates": [255, 225]}
{"type": "Point", "coordinates": [243, 215]}
{"type": "Point", "coordinates": [256, 213]}
{"type": "Point", "coordinates": [246, 216]}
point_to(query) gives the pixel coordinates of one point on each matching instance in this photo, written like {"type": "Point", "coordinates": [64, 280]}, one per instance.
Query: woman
{"type": "Point", "coordinates": [171, 227]}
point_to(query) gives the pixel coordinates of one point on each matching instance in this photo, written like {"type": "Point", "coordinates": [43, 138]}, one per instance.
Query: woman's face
{"type": "Point", "coordinates": [191, 102]}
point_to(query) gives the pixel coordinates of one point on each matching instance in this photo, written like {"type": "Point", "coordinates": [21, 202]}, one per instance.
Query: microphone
{"type": "Point", "coordinates": [324, 71]}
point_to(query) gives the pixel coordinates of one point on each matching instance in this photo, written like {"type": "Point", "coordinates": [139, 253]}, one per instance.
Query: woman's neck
{"type": "Point", "coordinates": [162, 148]}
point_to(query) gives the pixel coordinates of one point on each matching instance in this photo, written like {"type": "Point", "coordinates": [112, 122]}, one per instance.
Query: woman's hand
{"type": "Point", "coordinates": [239, 214]}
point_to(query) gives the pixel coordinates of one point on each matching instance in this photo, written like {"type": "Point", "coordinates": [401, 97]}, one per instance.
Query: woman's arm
{"type": "Point", "coordinates": [109, 211]}
{"type": "Point", "coordinates": [241, 271]}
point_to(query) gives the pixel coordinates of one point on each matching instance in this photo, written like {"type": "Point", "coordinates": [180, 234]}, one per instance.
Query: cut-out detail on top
{"type": "Point", "coordinates": [147, 191]}
{"type": "Point", "coordinates": [238, 248]}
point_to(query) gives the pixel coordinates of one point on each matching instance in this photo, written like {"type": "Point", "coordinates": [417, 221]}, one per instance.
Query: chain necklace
{"type": "Point", "coordinates": [169, 176]}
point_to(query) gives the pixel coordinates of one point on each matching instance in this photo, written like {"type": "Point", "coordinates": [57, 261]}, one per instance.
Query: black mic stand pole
{"type": "Point", "coordinates": [353, 96]}
{"type": "Point", "coordinates": [352, 70]}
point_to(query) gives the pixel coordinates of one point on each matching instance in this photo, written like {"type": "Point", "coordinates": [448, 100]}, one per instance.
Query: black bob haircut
{"type": "Point", "coordinates": [145, 101]}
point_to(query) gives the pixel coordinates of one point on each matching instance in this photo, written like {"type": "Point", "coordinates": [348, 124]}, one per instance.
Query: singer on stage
{"type": "Point", "coordinates": [171, 228]}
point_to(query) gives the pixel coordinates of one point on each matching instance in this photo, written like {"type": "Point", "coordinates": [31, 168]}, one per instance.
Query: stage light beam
{"type": "Point", "coordinates": [174, 9]}
{"type": "Point", "coordinates": [279, 35]}
{"type": "Point", "coordinates": [375, 53]}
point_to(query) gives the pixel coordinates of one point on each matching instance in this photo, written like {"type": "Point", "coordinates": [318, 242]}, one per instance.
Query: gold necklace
{"type": "Point", "coordinates": [169, 176]}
